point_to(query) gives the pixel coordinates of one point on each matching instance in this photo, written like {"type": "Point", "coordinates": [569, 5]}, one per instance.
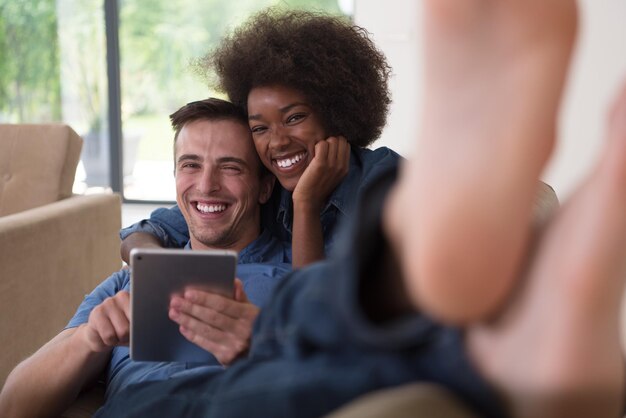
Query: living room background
{"type": "Point", "coordinates": [114, 70]}
{"type": "Point", "coordinates": [158, 38]}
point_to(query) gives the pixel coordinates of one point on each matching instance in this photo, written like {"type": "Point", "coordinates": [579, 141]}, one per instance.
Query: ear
{"type": "Point", "coordinates": [266, 187]}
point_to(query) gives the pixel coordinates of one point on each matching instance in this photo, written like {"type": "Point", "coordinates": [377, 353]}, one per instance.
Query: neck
{"type": "Point", "coordinates": [236, 245]}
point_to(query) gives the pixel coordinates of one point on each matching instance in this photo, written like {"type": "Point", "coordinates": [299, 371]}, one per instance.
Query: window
{"type": "Point", "coordinates": [53, 68]}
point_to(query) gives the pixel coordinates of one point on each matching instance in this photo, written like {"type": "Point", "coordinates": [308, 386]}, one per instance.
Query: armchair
{"type": "Point", "coordinates": [55, 247]}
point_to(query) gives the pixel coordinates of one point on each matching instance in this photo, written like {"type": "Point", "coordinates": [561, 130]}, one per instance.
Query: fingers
{"type": "Point", "coordinates": [109, 323]}
{"type": "Point", "coordinates": [215, 323]}
{"type": "Point", "coordinates": [202, 309]}
{"type": "Point", "coordinates": [341, 152]}
{"type": "Point", "coordinates": [332, 158]}
{"type": "Point", "coordinates": [321, 151]}
{"type": "Point", "coordinates": [326, 170]}
{"type": "Point", "coordinates": [334, 152]}
{"type": "Point", "coordinates": [187, 313]}
{"type": "Point", "coordinates": [338, 150]}
{"type": "Point", "coordinates": [204, 304]}
{"type": "Point", "coordinates": [225, 351]}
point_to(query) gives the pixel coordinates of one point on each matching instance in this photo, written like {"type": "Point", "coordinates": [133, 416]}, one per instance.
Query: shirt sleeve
{"type": "Point", "coordinates": [117, 281]}
{"type": "Point", "coordinates": [168, 225]}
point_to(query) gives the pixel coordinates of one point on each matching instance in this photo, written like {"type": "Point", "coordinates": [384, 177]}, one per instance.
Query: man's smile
{"type": "Point", "coordinates": [212, 208]}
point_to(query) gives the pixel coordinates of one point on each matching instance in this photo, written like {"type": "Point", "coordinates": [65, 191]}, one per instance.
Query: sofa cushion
{"type": "Point", "coordinates": [37, 165]}
{"type": "Point", "coordinates": [413, 400]}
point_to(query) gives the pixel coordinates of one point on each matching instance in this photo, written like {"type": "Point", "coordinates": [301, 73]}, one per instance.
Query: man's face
{"type": "Point", "coordinates": [218, 188]}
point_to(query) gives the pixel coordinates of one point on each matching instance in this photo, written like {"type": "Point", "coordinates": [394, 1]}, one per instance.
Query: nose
{"type": "Point", "coordinates": [209, 182]}
{"type": "Point", "coordinates": [279, 139]}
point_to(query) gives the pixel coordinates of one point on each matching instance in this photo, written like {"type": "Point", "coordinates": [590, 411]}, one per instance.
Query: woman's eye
{"type": "Point", "coordinates": [296, 117]}
{"type": "Point", "coordinates": [258, 129]}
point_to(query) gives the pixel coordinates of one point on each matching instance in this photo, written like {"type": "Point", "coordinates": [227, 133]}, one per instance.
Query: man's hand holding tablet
{"type": "Point", "coordinates": [163, 279]}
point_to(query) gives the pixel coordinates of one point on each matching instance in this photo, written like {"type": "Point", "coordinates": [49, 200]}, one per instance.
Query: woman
{"type": "Point", "coordinates": [315, 90]}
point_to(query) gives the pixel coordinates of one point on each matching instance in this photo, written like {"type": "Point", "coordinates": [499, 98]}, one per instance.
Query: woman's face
{"type": "Point", "coordinates": [285, 130]}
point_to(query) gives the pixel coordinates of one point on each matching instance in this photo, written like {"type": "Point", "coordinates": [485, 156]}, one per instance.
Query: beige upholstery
{"type": "Point", "coordinates": [408, 401]}
{"type": "Point", "coordinates": [37, 165]}
{"type": "Point", "coordinates": [54, 247]}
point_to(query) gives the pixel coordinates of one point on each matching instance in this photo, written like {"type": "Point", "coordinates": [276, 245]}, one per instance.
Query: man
{"type": "Point", "coordinates": [444, 279]}
{"type": "Point", "coordinates": [220, 185]}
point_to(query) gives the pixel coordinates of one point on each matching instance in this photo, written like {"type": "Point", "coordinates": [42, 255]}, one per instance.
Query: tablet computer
{"type": "Point", "coordinates": [157, 275]}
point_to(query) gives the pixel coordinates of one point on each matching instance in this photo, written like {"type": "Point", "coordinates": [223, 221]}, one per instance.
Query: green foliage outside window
{"type": "Point", "coordinates": [29, 61]}
{"type": "Point", "coordinates": [53, 69]}
{"type": "Point", "coordinates": [158, 40]}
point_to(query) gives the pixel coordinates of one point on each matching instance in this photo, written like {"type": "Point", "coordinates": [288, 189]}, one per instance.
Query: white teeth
{"type": "Point", "coordinates": [288, 162]}
{"type": "Point", "coordinates": [210, 208]}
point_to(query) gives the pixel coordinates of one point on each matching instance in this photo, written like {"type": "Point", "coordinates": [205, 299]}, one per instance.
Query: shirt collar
{"type": "Point", "coordinates": [345, 194]}
{"type": "Point", "coordinates": [264, 249]}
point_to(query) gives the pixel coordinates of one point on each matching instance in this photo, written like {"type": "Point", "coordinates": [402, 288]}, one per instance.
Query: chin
{"type": "Point", "coordinates": [289, 184]}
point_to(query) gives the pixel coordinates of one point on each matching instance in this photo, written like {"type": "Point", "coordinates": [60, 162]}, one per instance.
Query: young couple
{"type": "Point", "coordinates": [443, 276]}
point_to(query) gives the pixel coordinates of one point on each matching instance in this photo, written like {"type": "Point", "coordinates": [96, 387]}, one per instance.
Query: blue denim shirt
{"type": "Point", "coordinates": [260, 267]}
{"type": "Point", "coordinates": [277, 214]}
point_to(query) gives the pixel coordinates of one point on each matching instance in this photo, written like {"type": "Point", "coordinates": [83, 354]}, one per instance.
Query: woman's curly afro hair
{"type": "Point", "coordinates": [331, 61]}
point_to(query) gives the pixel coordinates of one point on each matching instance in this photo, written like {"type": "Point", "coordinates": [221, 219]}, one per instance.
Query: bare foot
{"type": "Point", "coordinates": [494, 75]}
{"type": "Point", "coordinates": [556, 350]}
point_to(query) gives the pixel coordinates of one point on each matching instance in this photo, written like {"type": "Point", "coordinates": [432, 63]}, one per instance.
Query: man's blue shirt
{"type": "Point", "coordinates": [260, 266]}
{"type": "Point", "coordinates": [277, 214]}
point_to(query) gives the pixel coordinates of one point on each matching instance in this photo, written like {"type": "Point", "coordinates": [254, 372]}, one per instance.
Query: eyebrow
{"type": "Point", "coordinates": [221, 160]}
{"type": "Point", "coordinates": [282, 110]}
{"type": "Point", "coordinates": [188, 157]}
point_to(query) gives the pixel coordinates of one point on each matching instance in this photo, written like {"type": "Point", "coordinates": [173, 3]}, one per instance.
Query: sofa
{"type": "Point", "coordinates": [78, 247]}
{"type": "Point", "coordinates": [55, 247]}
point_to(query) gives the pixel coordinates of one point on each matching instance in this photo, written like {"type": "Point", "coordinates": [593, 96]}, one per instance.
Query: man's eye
{"type": "Point", "coordinates": [189, 165]}
{"type": "Point", "coordinates": [232, 169]}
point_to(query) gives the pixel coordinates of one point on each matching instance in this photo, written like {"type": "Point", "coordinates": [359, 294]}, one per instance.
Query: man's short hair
{"type": "Point", "coordinates": [211, 109]}
{"type": "Point", "coordinates": [207, 109]}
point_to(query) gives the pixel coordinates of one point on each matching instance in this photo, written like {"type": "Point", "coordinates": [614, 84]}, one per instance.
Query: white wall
{"type": "Point", "coordinates": [599, 68]}
{"type": "Point", "coordinates": [395, 27]}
